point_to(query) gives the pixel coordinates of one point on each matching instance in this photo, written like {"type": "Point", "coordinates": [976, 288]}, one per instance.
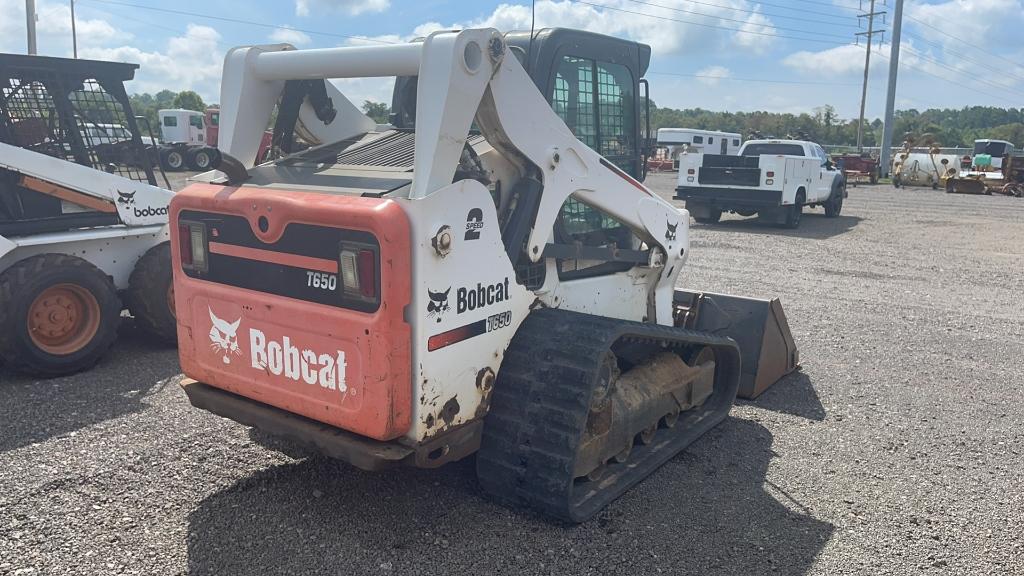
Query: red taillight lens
{"type": "Point", "coordinates": [691, 171]}
{"type": "Point", "coordinates": [770, 174]}
{"type": "Point", "coordinates": [359, 272]}
{"type": "Point", "coordinates": [192, 246]}
{"type": "Point", "coordinates": [367, 274]}
{"type": "Point", "coordinates": [185, 245]}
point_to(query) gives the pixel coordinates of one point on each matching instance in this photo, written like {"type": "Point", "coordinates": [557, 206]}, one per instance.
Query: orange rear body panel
{"type": "Point", "coordinates": [252, 326]}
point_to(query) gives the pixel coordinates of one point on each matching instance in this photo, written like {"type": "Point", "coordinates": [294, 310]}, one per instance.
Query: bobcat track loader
{"type": "Point", "coordinates": [479, 279]}
{"type": "Point", "coordinates": [83, 224]}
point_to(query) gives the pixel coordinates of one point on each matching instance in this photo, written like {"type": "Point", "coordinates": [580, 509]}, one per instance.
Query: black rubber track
{"type": "Point", "coordinates": [147, 294]}
{"type": "Point", "coordinates": [541, 402]}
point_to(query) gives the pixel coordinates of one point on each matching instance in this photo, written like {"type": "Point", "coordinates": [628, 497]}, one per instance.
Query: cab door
{"type": "Point", "coordinates": [823, 185]}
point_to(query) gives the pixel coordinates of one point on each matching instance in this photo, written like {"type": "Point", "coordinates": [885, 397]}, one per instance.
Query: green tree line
{"type": "Point", "coordinates": [948, 126]}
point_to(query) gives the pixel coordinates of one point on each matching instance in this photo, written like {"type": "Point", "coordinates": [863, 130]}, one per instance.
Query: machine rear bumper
{"type": "Point", "coordinates": [360, 451]}
{"type": "Point", "coordinates": [730, 198]}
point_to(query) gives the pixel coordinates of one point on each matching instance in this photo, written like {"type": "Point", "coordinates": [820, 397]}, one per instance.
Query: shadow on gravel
{"type": "Point", "coordinates": [708, 511]}
{"type": "Point", "coordinates": [34, 410]}
{"type": "Point", "coordinates": [813, 226]}
{"type": "Point", "coordinates": [794, 394]}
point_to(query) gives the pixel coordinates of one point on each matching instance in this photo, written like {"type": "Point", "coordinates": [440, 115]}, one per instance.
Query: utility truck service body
{"type": "Point", "coordinates": [772, 178]}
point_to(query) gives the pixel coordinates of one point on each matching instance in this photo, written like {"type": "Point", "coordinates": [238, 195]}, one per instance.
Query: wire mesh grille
{"type": "Point", "coordinates": [86, 125]}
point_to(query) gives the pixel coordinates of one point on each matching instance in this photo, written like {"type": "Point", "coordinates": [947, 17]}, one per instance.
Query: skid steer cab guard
{"type": "Point", "coordinates": [415, 295]}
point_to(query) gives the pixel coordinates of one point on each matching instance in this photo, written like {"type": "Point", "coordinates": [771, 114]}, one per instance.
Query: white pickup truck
{"type": "Point", "coordinates": [774, 179]}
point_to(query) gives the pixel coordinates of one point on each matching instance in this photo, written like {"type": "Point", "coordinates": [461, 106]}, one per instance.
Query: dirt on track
{"type": "Point", "coordinates": [896, 450]}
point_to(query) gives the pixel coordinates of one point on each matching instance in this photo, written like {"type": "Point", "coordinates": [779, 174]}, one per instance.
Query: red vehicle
{"type": "Point", "coordinates": [213, 127]}
{"type": "Point", "coordinates": [858, 166]}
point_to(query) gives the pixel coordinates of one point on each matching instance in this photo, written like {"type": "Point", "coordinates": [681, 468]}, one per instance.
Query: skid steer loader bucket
{"type": "Point", "coordinates": [767, 350]}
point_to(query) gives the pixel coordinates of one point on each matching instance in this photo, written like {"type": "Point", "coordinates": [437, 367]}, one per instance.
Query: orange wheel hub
{"type": "Point", "coordinates": [63, 319]}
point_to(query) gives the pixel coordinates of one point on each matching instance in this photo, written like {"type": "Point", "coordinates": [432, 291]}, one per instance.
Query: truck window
{"type": "Point", "coordinates": [698, 139]}
{"type": "Point", "coordinates": [170, 121]}
{"type": "Point", "coordinates": [735, 142]}
{"type": "Point", "coordinates": [196, 121]}
{"type": "Point", "coordinates": [215, 118]}
{"type": "Point", "coordinates": [773, 149]}
{"type": "Point", "coordinates": [711, 139]}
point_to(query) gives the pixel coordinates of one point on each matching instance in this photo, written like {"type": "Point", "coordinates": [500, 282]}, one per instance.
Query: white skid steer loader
{"type": "Point", "coordinates": [83, 225]}
{"type": "Point", "coordinates": [478, 279]}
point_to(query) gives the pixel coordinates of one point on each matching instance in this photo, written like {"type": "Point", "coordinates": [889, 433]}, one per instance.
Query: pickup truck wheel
{"type": "Point", "coordinates": [712, 218]}
{"type": "Point", "coordinates": [834, 205]}
{"type": "Point", "coordinates": [794, 212]}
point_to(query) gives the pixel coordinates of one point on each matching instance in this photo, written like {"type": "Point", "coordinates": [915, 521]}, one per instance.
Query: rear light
{"type": "Point", "coordinates": [691, 171]}
{"type": "Point", "coordinates": [771, 174]}
{"type": "Point", "coordinates": [359, 272]}
{"type": "Point", "coordinates": [193, 246]}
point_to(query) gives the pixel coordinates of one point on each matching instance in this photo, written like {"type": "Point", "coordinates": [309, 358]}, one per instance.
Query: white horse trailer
{"type": "Point", "coordinates": [678, 140]}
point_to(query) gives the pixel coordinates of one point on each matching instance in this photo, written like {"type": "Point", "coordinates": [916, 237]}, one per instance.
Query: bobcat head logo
{"type": "Point", "coordinates": [223, 337]}
{"type": "Point", "coordinates": [670, 230]}
{"type": "Point", "coordinates": [438, 303]}
{"type": "Point", "coordinates": [126, 198]}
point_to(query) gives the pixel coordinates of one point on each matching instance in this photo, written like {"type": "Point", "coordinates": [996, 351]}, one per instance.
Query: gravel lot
{"type": "Point", "coordinates": [897, 449]}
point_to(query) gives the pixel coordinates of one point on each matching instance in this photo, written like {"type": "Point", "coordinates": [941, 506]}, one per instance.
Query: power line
{"type": "Point", "coordinates": [756, 80]}
{"type": "Point", "coordinates": [238, 21]}
{"type": "Point", "coordinates": [740, 21]}
{"type": "Point", "coordinates": [774, 5]}
{"type": "Point", "coordinates": [965, 57]}
{"type": "Point", "coordinates": [965, 42]}
{"type": "Point", "coordinates": [704, 25]}
{"type": "Point", "coordinates": [958, 71]}
{"type": "Point", "coordinates": [904, 64]}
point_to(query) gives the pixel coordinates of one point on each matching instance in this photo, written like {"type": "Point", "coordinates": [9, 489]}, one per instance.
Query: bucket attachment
{"type": "Point", "coordinates": [767, 350]}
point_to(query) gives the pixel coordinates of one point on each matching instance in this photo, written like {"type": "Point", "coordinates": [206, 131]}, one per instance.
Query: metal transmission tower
{"type": "Point", "coordinates": [870, 34]}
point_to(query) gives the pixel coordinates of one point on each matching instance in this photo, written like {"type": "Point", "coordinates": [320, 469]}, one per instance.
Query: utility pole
{"type": "Point", "coordinates": [74, 35]}
{"type": "Point", "coordinates": [30, 24]}
{"type": "Point", "coordinates": [867, 65]}
{"type": "Point", "coordinates": [890, 97]}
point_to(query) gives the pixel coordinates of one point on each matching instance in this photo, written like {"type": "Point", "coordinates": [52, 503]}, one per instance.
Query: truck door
{"type": "Point", "coordinates": [196, 131]}
{"type": "Point", "coordinates": [823, 184]}
{"type": "Point", "coordinates": [724, 147]}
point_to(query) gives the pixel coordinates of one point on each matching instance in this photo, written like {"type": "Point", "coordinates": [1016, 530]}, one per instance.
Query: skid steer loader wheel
{"type": "Point", "coordinates": [151, 294]}
{"type": "Point", "coordinates": [585, 407]}
{"type": "Point", "coordinates": [59, 314]}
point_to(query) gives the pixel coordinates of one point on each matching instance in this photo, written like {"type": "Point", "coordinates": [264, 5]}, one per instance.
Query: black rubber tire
{"type": "Point", "coordinates": [794, 212]}
{"type": "Point", "coordinates": [19, 286]}
{"type": "Point", "coordinates": [172, 159]}
{"type": "Point", "coordinates": [713, 218]}
{"type": "Point", "coordinates": [834, 205]}
{"type": "Point", "coordinates": [147, 294]}
{"type": "Point", "coordinates": [199, 159]}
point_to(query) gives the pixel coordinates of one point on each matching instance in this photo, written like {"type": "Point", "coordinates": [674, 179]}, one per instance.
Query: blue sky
{"type": "Point", "coordinates": [776, 55]}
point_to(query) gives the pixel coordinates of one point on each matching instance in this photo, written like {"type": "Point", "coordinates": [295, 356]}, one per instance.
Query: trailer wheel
{"type": "Point", "coordinates": [172, 159]}
{"type": "Point", "coordinates": [794, 212]}
{"type": "Point", "coordinates": [151, 294]}
{"type": "Point", "coordinates": [59, 314]}
{"type": "Point", "coordinates": [200, 159]}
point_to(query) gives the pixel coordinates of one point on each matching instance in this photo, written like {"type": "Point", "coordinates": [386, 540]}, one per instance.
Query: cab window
{"type": "Point", "coordinates": [170, 121]}
{"type": "Point", "coordinates": [196, 121]}
{"type": "Point", "coordinates": [698, 139]}
{"type": "Point", "coordinates": [596, 101]}
{"type": "Point", "coordinates": [581, 223]}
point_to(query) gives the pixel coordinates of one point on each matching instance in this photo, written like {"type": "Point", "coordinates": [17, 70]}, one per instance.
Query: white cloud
{"type": "Point", "coordinates": [53, 29]}
{"type": "Point", "coordinates": [291, 36]}
{"type": "Point", "coordinates": [350, 7]}
{"type": "Point", "coordinates": [712, 75]}
{"type": "Point", "coordinates": [190, 62]}
{"type": "Point", "coordinates": [667, 27]}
